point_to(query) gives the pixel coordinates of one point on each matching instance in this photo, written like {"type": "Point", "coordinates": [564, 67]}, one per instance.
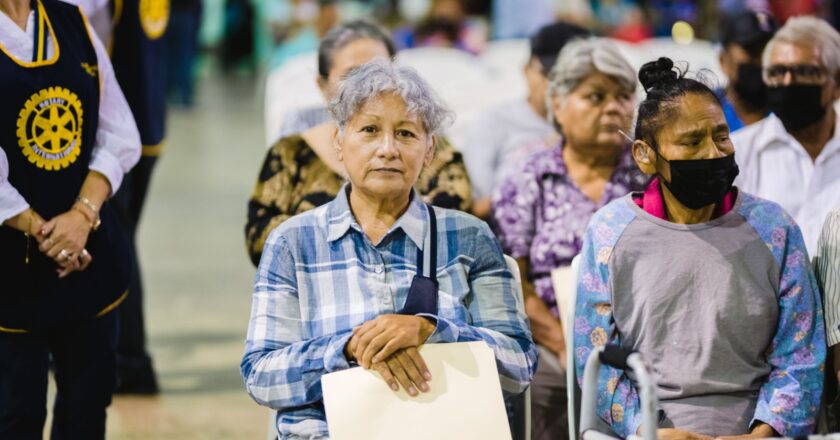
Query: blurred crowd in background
{"type": "Point", "coordinates": [252, 34]}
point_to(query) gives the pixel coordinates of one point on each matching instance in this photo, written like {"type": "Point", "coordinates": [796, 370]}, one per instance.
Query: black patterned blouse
{"type": "Point", "coordinates": [293, 179]}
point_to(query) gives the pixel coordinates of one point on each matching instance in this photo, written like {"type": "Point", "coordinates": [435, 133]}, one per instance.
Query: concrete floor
{"type": "Point", "coordinates": [197, 275]}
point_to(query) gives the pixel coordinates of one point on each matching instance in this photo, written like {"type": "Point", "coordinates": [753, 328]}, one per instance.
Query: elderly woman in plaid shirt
{"type": "Point", "coordinates": [345, 283]}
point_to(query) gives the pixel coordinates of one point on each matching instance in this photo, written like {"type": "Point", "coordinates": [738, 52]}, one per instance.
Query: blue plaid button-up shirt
{"type": "Point", "coordinates": [320, 276]}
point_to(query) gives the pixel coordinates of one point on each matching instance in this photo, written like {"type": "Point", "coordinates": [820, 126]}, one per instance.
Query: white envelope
{"type": "Point", "coordinates": [465, 401]}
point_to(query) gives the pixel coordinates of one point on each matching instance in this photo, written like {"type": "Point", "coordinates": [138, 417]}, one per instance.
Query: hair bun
{"type": "Point", "coordinates": [656, 73]}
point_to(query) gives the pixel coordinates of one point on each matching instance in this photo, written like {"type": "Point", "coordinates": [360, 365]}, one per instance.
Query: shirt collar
{"type": "Point", "coordinates": [774, 131]}
{"type": "Point", "coordinates": [340, 218]}
{"type": "Point", "coordinates": [653, 202]}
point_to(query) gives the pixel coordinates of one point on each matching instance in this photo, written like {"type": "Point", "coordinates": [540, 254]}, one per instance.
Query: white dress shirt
{"type": "Point", "coordinates": [775, 166]}
{"type": "Point", "coordinates": [117, 145]}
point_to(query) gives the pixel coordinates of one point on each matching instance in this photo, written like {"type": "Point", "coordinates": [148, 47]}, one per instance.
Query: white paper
{"type": "Point", "coordinates": [561, 280]}
{"type": "Point", "coordinates": [465, 400]}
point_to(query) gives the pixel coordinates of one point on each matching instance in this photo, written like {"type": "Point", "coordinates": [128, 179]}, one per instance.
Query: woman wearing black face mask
{"type": "Point", "coordinates": [710, 284]}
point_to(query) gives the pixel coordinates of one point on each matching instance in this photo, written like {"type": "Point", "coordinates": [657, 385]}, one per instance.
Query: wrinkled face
{"type": "Point", "coordinates": [795, 63]}
{"type": "Point", "coordinates": [695, 130]}
{"type": "Point", "coordinates": [594, 112]}
{"type": "Point", "coordinates": [384, 148]}
{"type": "Point", "coordinates": [352, 55]}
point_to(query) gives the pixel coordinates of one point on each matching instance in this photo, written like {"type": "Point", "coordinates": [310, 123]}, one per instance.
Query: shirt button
{"type": "Point", "coordinates": [378, 269]}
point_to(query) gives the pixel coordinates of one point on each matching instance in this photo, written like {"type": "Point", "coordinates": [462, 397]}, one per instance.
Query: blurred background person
{"type": "Point", "coordinates": [500, 138]}
{"type": "Point", "coordinates": [743, 38]}
{"type": "Point", "coordinates": [298, 26]}
{"type": "Point", "coordinates": [67, 138]}
{"type": "Point", "coordinates": [827, 269]}
{"type": "Point", "coordinates": [792, 156]}
{"type": "Point", "coordinates": [238, 48]}
{"type": "Point", "coordinates": [449, 23]}
{"type": "Point", "coordinates": [542, 210]}
{"type": "Point", "coordinates": [302, 171]}
{"type": "Point", "coordinates": [137, 52]}
{"type": "Point", "coordinates": [344, 47]}
{"type": "Point", "coordinates": [520, 18]}
{"type": "Point", "coordinates": [181, 42]}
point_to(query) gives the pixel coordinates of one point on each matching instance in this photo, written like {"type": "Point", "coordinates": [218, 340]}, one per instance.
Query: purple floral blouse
{"type": "Point", "coordinates": [541, 214]}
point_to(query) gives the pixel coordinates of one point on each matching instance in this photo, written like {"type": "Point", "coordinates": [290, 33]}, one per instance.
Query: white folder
{"type": "Point", "coordinates": [465, 400]}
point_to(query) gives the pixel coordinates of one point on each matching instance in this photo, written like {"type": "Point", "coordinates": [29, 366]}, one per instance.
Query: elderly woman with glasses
{"type": "Point", "coordinates": [375, 273]}
{"type": "Point", "coordinates": [542, 211]}
{"type": "Point", "coordinates": [710, 284]}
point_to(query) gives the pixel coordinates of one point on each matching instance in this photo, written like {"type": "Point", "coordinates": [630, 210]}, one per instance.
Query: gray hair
{"type": "Point", "coordinates": [581, 58]}
{"type": "Point", "coordinates": [809, 31]}
{"type": "Point", "coordinates": [378, 77]}
{"type": "Point", "coordinates": [346, 33]}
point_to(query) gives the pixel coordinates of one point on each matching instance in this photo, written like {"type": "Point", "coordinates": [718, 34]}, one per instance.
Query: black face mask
{"type": "Point", "coordinates": [750, 86]}
{"type": "Point", "coordinates": [701, 182]}
{"type": "Point", "coordinates": [797, 105]}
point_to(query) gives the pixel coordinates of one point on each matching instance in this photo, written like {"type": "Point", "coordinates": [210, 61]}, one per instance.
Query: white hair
{"type": "Point", "coordinates": [582, 58]}
{"type": "Point", "coordinates": [810, 31]}
{"type": "Point", "coordinates": [380, 76]}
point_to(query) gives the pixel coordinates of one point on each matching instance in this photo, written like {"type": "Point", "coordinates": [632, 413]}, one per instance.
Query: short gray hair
{"type": "Point", "coordinates": [581, 58]}
{"type": "Point", "coordinates": [809, 31]}
{"type": "Point", "coordinates": [378, 77]}
{"type": "Point", "coordinates": [344, 34]}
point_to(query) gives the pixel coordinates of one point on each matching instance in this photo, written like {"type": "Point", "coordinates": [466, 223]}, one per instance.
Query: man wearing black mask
{"type": "Point", "coordinates": [792, 156]}
{"type": "Point", "coordinates": [743, 38]}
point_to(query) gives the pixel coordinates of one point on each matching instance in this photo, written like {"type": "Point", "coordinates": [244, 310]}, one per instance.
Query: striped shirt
{"type": "Point", "coordinates": [320, 276]}
{"type": "Point", "coordinates": [828, 274]}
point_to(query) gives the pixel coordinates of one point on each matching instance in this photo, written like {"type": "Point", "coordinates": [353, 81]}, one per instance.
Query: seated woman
{"type": "Point", "coordinates": [542, 211]}
{"type": "Point", "coordinates": [301, 171]}
{"type": "Point", "coordinates": [344, 283]}
{"type": "Point", "coordinates": [710, 284]}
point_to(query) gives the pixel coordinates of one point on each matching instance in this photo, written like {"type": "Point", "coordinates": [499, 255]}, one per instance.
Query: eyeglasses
{"type": "Point", "coordinates": [800, 73]}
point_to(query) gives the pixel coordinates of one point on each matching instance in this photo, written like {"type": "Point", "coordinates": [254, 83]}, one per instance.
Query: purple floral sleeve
{"type": "Point", "coordinates": [618, 401]}
{"type": "Point", "coordinates": [789, 399]}
{"type": "Point", "coordinates": [514, 209]}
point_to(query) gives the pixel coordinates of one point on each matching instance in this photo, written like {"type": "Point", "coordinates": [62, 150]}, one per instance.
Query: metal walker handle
{"type": "Point", "coordinates": [622, 359]}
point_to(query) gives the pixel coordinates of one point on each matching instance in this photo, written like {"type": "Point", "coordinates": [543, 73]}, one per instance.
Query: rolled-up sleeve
{"type": "Point", "coordinates": [11, 202]}
{"type": "Point", "coordinates": [117, 146]}
{"type": "Point", "coordinates": [496, 318]}
{"type": "Point", "coordinates": [279, 367]}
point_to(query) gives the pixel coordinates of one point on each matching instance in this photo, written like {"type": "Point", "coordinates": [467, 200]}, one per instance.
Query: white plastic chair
{"type": "Point", "coordinates": [288, 87]}
{"type": "Point", "coordinates": [520, 304]}
{"type": "Point", "coordinates": [564, 281]}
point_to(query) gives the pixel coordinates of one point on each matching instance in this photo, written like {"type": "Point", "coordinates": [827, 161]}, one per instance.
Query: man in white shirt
{"type": "Point", "coordinates": [792, 156]}
{"type": "Point", "coordinates": [502, 136]}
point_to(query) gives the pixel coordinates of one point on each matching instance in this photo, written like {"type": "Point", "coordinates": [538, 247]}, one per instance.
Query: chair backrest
{"type": "Point", "coordinates": [564, 281]}
{"type": "Point", "coordinates": [289, 87]}
{"type": "Point", "coordinates": [522, 404]}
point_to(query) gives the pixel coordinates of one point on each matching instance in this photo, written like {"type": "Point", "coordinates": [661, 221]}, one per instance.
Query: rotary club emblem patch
{"type": "Point", "coordinates": [154, 17]}
{"type": "Point", "coordinates": [49, 128]}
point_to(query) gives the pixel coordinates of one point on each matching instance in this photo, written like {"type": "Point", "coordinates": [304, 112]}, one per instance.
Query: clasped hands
{"type": "Point", "coordinates": [388, 344]}
{"type": "Point", "coordinates": [63, 239]}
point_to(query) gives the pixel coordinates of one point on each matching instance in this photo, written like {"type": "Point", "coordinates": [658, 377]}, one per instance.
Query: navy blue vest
{"type": "Point", "coordinates": [48, 122]}
{"type": "Point", "coordinates": [137, 55]}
